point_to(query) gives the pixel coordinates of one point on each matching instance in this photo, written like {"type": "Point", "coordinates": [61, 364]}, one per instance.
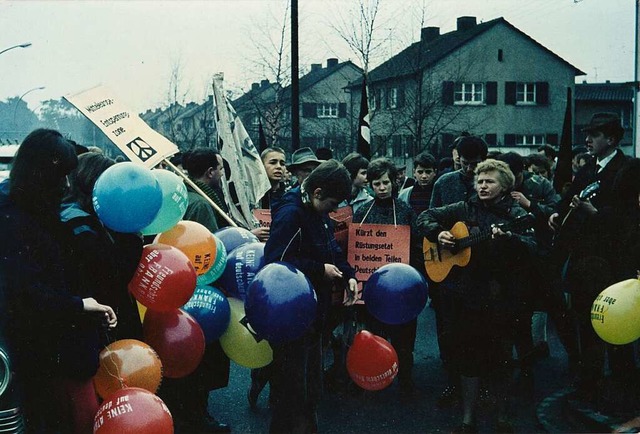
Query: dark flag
{"type": "Point", "coordinates": [262, 140]}
{"type": "Point", "coordinates": [364, 134]}
{"type": "Point", "coordinates": [564, 173]}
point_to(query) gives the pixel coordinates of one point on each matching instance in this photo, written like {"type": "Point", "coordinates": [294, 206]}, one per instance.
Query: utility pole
{"type": "Point", "coordinates": [636, 85]}
{"type": "Point", "coordinates": [295, 80]}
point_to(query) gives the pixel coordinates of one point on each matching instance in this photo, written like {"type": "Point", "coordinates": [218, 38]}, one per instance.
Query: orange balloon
{"type": "Point", "coordinates": [194, 240]}
{"type": "Point", "coordinates": [127, 363]}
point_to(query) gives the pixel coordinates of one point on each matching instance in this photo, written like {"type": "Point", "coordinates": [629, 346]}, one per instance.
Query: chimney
{"type": "Point", "coordinates": [255, 86]}
{"type": "Point", "coordinates": [332, 62]}
{"type": "Point", "coordinates": [608, 81]}
{"type": "Point", "coordinates": [316, 66]}
{"type": "Point", "coordinates": [264, 83]}
{"type": "Point", "coordinates": [466, 23]}
{"type": "Point", "coordinates": [428, 34]}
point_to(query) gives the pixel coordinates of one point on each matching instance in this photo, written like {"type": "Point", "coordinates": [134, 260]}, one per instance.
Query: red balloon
{"type": "Point", "coordinates": [177, 338]}
{"type": "Point", "coordinates": [165, 278]}
{"type": "Point", "coordinates": [372, 362]}
{"type": "Point", "coordinates": [133, 410]}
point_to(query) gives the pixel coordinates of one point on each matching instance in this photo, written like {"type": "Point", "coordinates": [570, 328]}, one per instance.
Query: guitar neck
{"type": "Point", "coordinates": [473, 239]}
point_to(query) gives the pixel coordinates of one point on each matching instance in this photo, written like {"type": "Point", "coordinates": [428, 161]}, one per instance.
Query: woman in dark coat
{"type": "Point", "coordinates": [479, 298]}
{"type": "Point", "coordinates": [43, 314]}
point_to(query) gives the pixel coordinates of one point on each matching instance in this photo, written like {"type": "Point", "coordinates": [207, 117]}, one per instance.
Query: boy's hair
{"type": "Point", "coordinates": [505, 176]}
{"type": "Point", "coordinates": [332, 178]}
{"type": "Point", "coordinates": [425, 160]}
{"type": "Point", "coordinates": [378, 167]}
{"type": "Point", "coordinates": [548, 150]}
{"type": "Point", "coordinates": [539, 160]}
{"type": "Point", "coordinates": [264, 153]}
{"type": "Point", "coordinates": [514, 160]}
{"type": "Point", "coordinates": [82, 180]}
{"type": "Point", "coordinates": [354, 162]}
{"type": "Point", "coordinates": [470, 147]}
{"type": "Point", "coordinates": [197, 161]}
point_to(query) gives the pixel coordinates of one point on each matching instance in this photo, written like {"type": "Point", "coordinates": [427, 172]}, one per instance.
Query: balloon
{"type": "Point", "coordinates": [615, 313]}
{"type": "Point", "coordinates": [142, 310]}
{"type": "Point", "coordinates": [395, 293]}
{"type": "Point", "coordinates": [210, 308]}
{"type": "Point", "coordinates": [194, 240]}
{"type": "Point", "coordinates": [218, 266]}
{"type": "Point", "coordinates": [174, 202]}
{"type": "Point", "coordinates": [281, 303]}
{"type": "Point", "coordinates": [178, 340]}
{"type": "Point", "coordinates": [164, 279]}
{"type": "Point", "coordinates": [240, 344]}
{"type": "Point", "coordinates": [372, 362]}
{"type": "Point", "coordinates": [127, 197]}
{"type": "Point", "coordinates": [242, 265]}
{"type": "Point", "coordinates": [234, 237]}
{"type": "Point", "coordinates": [127, 363]}
{"type": "Point", "coordinates": [133, 410]}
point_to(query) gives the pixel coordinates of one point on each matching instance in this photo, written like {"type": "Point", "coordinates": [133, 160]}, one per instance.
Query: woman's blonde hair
{"type": "Point", "coordinates": [505, 176]}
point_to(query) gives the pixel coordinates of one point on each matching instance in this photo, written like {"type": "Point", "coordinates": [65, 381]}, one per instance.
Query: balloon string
{"type": "Point", "coordinates": [118, 376]}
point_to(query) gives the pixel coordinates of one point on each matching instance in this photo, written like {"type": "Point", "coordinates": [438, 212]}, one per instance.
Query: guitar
{"type": "Point", "coordinates": [589, 192]}
{"type": "Point", "coordinates": [438, 262]}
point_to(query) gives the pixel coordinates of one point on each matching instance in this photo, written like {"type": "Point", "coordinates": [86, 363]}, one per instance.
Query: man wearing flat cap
{"type": "Point", "coordinates": [303, 161]}
{"type": "Point", "coordinates": [586, 270]}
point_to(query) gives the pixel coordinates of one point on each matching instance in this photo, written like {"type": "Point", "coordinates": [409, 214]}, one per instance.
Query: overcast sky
{"type": "Point", "coordinates": [132, 46]}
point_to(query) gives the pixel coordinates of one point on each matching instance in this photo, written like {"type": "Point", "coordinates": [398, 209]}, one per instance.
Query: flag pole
{"type": "Point", "coordinates": [200, 192]}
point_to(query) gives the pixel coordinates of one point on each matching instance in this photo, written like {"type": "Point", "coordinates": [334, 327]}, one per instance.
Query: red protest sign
{"type": "Point", "coordinates": [263, 216]}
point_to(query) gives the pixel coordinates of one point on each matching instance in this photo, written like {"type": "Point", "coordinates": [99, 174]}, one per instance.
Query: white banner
{"type": "Point", "coordinates": [248, 181]}
{"type": "Point", "coordinates": [137, 140]}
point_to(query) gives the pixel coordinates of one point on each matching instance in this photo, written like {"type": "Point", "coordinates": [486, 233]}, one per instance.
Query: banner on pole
{"type": "Point", "coordinates": [137, 140]}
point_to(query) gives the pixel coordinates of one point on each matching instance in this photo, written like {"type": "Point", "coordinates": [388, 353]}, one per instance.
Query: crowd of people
{"type": "Point", "coordinates": [64, 275]}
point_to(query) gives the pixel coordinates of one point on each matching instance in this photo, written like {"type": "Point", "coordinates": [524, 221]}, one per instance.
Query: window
{"type": "Point", "coordinates": [393, 97]}
{"type": "Point", "coordinates": [255, 121]}
{"type": "Point", "coordinates": [525, 93]}
{"type": "Point", "coordinates": [468, 93]}
{"type": "Point", "coordinates": [372, 100]}
{"type": "Point", "coordinates": [530, 139]}
{"type": "Point", "coordinates": [327, 110]}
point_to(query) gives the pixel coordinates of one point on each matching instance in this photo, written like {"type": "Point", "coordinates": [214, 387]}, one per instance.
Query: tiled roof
{"type": "Point", "coordinates": [604, 92]}
{"type": "Point", "coordinates": [421, 55]}
{"type": "Point", "coordinates": [315, 76]}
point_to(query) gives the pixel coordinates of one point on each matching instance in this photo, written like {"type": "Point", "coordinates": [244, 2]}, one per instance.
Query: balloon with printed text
{"type": "Point", "coordinates": [218, 266]}
{"type": "Point", "coordinates": [372, 362]}
{"type": "Point", "coordinates": [615, 313]}
{"type": "Point", "coordinates": [127, 197]}
{"type": "Point", "coordinates": [395, 293]}
{"type": "Point", "coordinates": [133, 410]}
{"type": "Point", "coordinates": [240, 343]}
{"type": "Point", "coordinates": [281, 303]}
{"type": "Point", "coordinates": [177, 338]}
{"type": "Point", "coordinates": [234, 237]}
{"type": "Point", "coordinates": [210, 308]}
{"type": "Point", "coordinates": [165, 278]}
{"type": "Point", "coordinates": [127, 363]}
{"type": "Point", "coordinates": [242, 265]}
{"type": "Point", "coordinates": [174, 202]}
{"type": "Point", "coordinates": [195, 241]}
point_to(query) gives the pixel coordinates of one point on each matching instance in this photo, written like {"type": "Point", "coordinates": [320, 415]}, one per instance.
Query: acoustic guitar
{"type": "Point", "coordinates": [438, 261]}
{"type": "Point", "coordinates": [589, 192]}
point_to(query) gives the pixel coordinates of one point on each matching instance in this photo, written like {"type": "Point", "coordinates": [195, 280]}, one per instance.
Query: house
{"type": "Point", "coordinates": [260, 105]}
{"type": "Point", "coordinates": [490, 79]}
{"type": "Point", "coordinates": [325, 115]}
{"type": "Point", "coordinates": [592, 98]}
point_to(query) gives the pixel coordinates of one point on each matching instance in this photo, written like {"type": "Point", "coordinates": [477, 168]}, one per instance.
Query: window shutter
{"type": "Point", "coordinates": [309, 110]}
{"type": "Point", "coordinates": [447, 92]}
{"type": "Point", "coordinates": [491, 139]}
{"type": "Point", "coordinates": [510, 93]}
{"type": "Point", "coordinates": [400, 97]}
{"type": "Point", "coordinates": [342, 110]}
{"type": "Point", "coordinates": [509, 139]}
{"type": "Point", "coordinates": [492, 93]}
{"type": "Point", "coordinates": [552, 139]}
{"type": "Point", "coordinates": [542, 93]}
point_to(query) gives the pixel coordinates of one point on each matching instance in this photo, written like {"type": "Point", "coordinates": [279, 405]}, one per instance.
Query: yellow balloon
{"type": "Point", "coordinates": [615, 313]}
{"type": "Point", "coordinates": [142, 309]}
{"type": "Point", "coordinates": [240, 345]}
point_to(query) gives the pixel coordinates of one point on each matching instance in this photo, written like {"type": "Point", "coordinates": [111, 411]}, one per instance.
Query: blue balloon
{"type": "Point", "coordinates": [281, 303]}
{"type": "Point", "coordinates": [210, 308]}
{"type": "Point", "coordinates": [395, 293]}
{"type": "Point", "coordinates": [242, 265]}
{"type": "Point", "coordinates": [234, 237]}
{"type": "Point", "coordinates": [127, 197]}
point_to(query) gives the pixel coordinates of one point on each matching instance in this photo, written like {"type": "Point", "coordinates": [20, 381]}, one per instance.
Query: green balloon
{"type": "Point", "coordinates": [216, 269]}
{"type": "Point", "coordinates": [240, 345]}
{"type": "Point", "coordinates": [174, 202]}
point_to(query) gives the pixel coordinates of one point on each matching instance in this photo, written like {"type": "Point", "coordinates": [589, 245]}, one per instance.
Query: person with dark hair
{"type": "Point", "coordinates": [385, 208]}
{"type": "Point", "coordinates": [41, 313]}
{"type": "Point", "coordinates": [188, 397]}
{"type": "Point", "coordinates": [538, 164]}
{"type": "Point", "coordinates": [418, 196]}
{"type": "Point", "coordinates": [479, 297]}
{"type": "Point", "coordinates": [402, 180]}
{"type": "Point", "coordinates": [302, 235]}
{"type": "Point", "coordinates": [324, 154]}
{"type": "Point", "coordinates": [357, 165]}
{"type": "Point", "coordinates": [451, 188]}
{"type": "Point", "coordinates": [548, 152]}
